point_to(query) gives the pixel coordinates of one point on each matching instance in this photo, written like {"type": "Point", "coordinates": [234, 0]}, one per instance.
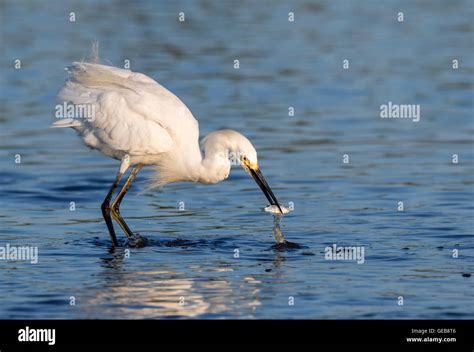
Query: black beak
{"type": "Point", "coordinates": [262, 183]}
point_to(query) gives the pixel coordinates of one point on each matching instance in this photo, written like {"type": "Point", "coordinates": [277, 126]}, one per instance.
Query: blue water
{"type": "Point", "coordinates": [188, 269]}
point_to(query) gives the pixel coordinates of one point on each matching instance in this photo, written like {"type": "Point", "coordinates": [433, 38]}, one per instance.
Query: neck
{"type": "Point", "coordinates": [210, 166]}
{"type": "Point", "coordinates": [215, 166]}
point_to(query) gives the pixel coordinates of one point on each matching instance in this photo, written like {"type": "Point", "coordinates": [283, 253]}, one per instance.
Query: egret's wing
{"type": "Point", "coordinates": [132, 112]}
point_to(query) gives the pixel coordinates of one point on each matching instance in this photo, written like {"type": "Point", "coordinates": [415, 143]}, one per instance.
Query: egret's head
{"type": "Point", "coordinates": [247, 156]}
{"type": "Point", "coordinates": [232, 146]}
{"type": "Point", "coordinates": [229, 145]}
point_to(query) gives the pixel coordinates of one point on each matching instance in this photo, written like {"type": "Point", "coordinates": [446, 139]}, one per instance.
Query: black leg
{"type": "Point", "coordinates": [115, 207]}
{"type": "Point", "coordinates": [106, 208]}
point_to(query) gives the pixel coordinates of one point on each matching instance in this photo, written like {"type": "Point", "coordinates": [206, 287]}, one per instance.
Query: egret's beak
{"type": "Point", "coordinates": [254, 171]}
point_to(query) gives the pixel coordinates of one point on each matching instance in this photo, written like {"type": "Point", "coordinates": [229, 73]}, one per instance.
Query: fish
{"type": "Point", "coordinates": [275, 211]}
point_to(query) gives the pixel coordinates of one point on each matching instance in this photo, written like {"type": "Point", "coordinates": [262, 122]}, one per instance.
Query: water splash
{"type": "Point", "coordinates": [279, 238]}
{"type": "Point", "coordinates": [137, 241]}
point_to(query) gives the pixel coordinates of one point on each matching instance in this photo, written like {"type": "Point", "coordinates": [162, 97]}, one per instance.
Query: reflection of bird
{"type": "Point", "coordinates": [169, 293]}
{"type": "Point", "coordinates": [139, 122]}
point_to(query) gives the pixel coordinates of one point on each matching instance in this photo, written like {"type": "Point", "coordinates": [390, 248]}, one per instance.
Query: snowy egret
{"type": "Point", "coordinates": [141, 123]}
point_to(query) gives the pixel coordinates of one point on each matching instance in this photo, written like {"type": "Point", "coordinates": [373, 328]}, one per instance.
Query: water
{"type": "Point", "coordinates": [189, 267]}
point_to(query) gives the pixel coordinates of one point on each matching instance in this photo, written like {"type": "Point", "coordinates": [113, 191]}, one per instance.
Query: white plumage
{"type": "Point", "coordinates": [139, 122]}
{"type": "Point", "coordinates": [133, 114]}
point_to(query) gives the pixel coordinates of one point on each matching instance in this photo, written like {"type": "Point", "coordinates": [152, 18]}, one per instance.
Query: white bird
{"type": "Point", "coordinates": [141, 123]}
